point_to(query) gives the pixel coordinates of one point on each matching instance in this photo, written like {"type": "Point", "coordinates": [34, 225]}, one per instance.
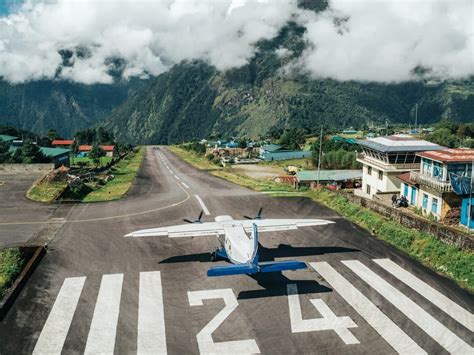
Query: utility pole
{"type": "Point", "coordinates": [320, 151]}
{"type": "Point", "coordinates": [416, 117]}
{"type": "Point", "coordinates": [469, 205]}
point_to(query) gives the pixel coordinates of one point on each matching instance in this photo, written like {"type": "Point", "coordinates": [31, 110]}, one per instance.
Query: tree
{"type": "Point", "coordinates": [31, 153]}
{"type": "Point", "coordinates": [95, 154]}
{"type": "Point", "coordinates": [4, 153]}
{"type": "Point", "coordinates": [444, 137]}
{"type": "Point", "coordinates": [292, 138]}
{"type": "Point", "coordinates": [52, 135]}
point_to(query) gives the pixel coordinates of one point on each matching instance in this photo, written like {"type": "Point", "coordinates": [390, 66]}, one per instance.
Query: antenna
{"type": "Point", "coordinates": [416, 117]}
{"type": "Point", "coordinates": [320, 150]}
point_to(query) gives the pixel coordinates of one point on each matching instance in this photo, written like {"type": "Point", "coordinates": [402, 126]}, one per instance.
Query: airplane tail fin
{"type": "Point", "coordinates": [254, 266]}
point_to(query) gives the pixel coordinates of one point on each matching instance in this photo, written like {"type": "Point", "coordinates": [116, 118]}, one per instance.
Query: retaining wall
{"type": "Point", "coordinates": [446, 234]}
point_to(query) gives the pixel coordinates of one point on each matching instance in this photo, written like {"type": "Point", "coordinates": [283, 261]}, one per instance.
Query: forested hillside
{"type": "Point", "coordinates": [64, 106]}
{"type": "Point", "coordinates": [193, 100]}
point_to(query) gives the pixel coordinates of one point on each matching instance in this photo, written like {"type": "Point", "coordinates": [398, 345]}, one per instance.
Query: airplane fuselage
{"type": "Point", "coordinates": [239, 246]}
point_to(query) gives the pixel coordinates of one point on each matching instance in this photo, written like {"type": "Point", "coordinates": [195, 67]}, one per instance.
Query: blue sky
{"type": "Point", "coordinates": [7, 5]}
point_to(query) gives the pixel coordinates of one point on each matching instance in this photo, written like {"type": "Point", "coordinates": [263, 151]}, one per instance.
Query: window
{"type": "Point", "coordinates": [380, 175]}
{"type": "Point", "coordinates": [434, 206]}
{"type": "Point", "coordinates": [367, 189]}
{"type": "Point", "coordinates": [425, 201]}
{"type": "Point", "coordinates": [369, 170]}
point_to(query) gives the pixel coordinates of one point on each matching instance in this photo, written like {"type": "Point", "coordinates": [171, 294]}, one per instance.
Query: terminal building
{"type": "Point", "coordinates": [385, 158]}
{"type": "Point", "coordinates": [431, 187]}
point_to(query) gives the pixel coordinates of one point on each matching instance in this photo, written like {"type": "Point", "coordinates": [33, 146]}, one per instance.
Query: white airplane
{"type": "Point", "coordinates": [237, 246]}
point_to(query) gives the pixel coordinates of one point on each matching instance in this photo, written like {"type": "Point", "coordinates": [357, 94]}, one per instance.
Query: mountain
{"type": "Point", "coordinates": [194, 101]}
{"type": "Point", "coordinates": [62, 105]}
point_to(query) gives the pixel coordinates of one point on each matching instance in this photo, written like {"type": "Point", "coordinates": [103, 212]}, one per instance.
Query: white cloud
{"type": "Point", "coordinates": [380, 40]}
{"type": "Point", "coordinates": [384, 40]}
{"type": "Point", "coordinates": [149, 35]}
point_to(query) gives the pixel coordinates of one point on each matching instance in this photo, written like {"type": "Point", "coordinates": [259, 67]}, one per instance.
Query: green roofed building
{"type": "Point", "coordinates": [58, 156]}
{"type": "Point", "coordinates": [6, 138]}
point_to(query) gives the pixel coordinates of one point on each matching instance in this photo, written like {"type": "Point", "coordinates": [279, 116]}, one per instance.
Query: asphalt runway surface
{"type": "Point", "coordinates": [98, 292]}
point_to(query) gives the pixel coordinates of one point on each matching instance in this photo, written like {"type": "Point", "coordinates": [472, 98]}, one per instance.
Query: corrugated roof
{"type": "Point", "coordinates": [62, 142]}
{"type": "Point", "coordinates": [84, 148]}
{"type": "Point", "coordinates": [6, 138]}
{"type": "Point", "coordinates": [450, 155]}
{"type": "Point", "coordinates": [54, 152]}
{"type": "Point", "coordinates": [108, 148]}
{"type": "Point", "coordinates": [399, 143]}
{"type": "Point", "coordinates": [328, 175]}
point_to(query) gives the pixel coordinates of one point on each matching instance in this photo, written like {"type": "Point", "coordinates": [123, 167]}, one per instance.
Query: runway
{"type": "Point", "coordinates": [96, 291]}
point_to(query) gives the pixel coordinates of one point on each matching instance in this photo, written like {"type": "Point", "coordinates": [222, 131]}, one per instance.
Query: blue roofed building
{"type": "Point", "coordinates": [272, 152]}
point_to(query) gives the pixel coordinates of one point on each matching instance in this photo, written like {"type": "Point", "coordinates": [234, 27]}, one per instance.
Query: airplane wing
{"type": "Point", "coordinates": [181, 230]}
{"type": "Point", "coordinates": [273, 225]}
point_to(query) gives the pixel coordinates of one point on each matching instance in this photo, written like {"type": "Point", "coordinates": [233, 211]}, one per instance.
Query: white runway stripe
{"type": "Point", "coordinates": [185, 185]}
{"type": "Point", "coordinates": [383, 325]}
{"type": "Point", "coordinates": [53, 335]}
{"type": "Point", "coordinates": [103, 328]}
{"type": "Point", "coordinates": [447, 339]}
{"type": "Point", "coordinates": [460, 314]}
{"type": "Point", "coordinates": [151, 317]}
{"type": "Point", "coordinates": [203, 206]}
{"type": "Point", "coordinates": [176, 177]}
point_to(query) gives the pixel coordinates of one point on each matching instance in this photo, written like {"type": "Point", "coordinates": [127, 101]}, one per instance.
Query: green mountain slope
{"type": "Point", "coordinates": [193, 100]}
{"type": "Point", "coordinates": [64, 106]}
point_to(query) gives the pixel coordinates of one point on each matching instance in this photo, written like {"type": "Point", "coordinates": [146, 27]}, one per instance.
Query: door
{"type": "Point", "coordinates": [413, 196]}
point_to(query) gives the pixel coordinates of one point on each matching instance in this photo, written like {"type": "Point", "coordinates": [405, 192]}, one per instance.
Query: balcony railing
{"type": "Point", "coordinates": [363, 158]}
{"type": "Point", "coordinates": [443, 186]}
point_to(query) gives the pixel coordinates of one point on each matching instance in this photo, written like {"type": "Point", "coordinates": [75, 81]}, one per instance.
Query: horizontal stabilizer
{"type": "Point", "coordinates": [246, 269]}
{"type": "Point", "coordinates": [274, 266]}
{"type": "Point", "coordinates": [232, 270]}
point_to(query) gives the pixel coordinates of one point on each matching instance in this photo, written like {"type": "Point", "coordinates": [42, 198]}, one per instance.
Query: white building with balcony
{"type": "Point", "coordinates": [430, 188]}
{"type": "Point", "coordinates": [385, 158]}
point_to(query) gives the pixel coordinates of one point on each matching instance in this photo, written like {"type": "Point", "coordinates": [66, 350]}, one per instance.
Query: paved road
{"type": "Point", "coordinates": [96, 291]}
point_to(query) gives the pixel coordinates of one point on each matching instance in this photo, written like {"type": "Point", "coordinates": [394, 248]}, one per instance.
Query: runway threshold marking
{"type": "Point", "coordinates": [151, 318]}
{"type": "Point", "coordinates": [446, 338]}
{"type": "Point", "coordinates": [101, 338]}
{"type": "Point", "coordinates": [454, 310]}
{"type": "Point", "coordinates": [203, 206]}
{"type": "Point", "coordinates": [53, 335]}
{"type": "Point", "coordinates": [383, 325]}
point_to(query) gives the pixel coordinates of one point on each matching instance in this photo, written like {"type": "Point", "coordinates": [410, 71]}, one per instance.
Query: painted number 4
{"type": "Point", "coordinates": [329, 320]}
{"type": "Point", "coordinates": [204, 337]}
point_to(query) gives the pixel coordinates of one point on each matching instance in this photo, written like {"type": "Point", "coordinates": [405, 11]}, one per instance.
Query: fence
{"type": "Point", "coordinates": [444, 233]}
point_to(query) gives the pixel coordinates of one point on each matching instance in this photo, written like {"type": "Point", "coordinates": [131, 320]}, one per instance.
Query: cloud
{"type": "Point", "coordinates": [390, 40]}
{"type": "Point", "coordinates": [367, 40]}
{"type": "Point", "coordinates": [148, 35]}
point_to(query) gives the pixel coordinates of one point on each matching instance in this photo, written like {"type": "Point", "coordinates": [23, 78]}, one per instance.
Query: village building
{"type": "Point", "coordinates": [430, 188]}
{"type": "Point", "coordinates": [271, 152]}
{"type": "Point", "coordinates": [7, 139]}
{"type": "Point", "coordinates": [336, 179]}
{"type": "Point", "coordinates": [62, 143]}
{"type": "Point", "coordinates": [385, 158]}
{"type": "Point", "coordinates": [84, 149]}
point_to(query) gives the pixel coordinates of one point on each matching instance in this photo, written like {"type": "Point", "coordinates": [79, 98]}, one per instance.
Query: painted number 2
{"type": "Point", "coordinates": [329, 320]}
{"type": "Point", "coordinates": [204, 337]}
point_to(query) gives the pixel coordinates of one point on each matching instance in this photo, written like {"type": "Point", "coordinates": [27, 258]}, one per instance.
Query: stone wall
{"type": "Point", "coordinates": [6, 169]}
{"type": "Point", "coordinates": [446, 234]}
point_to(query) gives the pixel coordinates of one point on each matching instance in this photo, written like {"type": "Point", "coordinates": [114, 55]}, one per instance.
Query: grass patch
{"type": "Point", "coordinates": [46, 191]}
{"type": "Point", "coordinates": [86, 161]}
{"type": "Point", "coordinates": [11, 262]}
{"type": "Point", "coordinates": [453, 262]}
{"type": "Point", "coordinates": [124, 172]}
{"type": "Point", "coordinates": [194, 158]}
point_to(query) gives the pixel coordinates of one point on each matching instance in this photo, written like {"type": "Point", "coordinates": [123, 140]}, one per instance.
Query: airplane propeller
{"type": "Point", "coordinates": [198, 220]}
{"type": "Point", "coordinates": [258, 216]}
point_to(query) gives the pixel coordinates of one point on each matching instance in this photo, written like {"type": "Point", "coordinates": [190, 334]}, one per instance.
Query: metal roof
{"type": "Point", "coordinates": [6, 138]}
{"type": "Point", "coordinates": [54, 152]}
{"type": "Point", "coordinates": [399, 143]}
{"type": "Point", "coordinates": [450, 155]}
{"type": "Point", "coordinates": [328, 175]}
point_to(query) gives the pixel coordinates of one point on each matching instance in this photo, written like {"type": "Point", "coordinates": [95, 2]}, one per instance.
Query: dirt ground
{"type": "Point", "coordinates": [258, 171]}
